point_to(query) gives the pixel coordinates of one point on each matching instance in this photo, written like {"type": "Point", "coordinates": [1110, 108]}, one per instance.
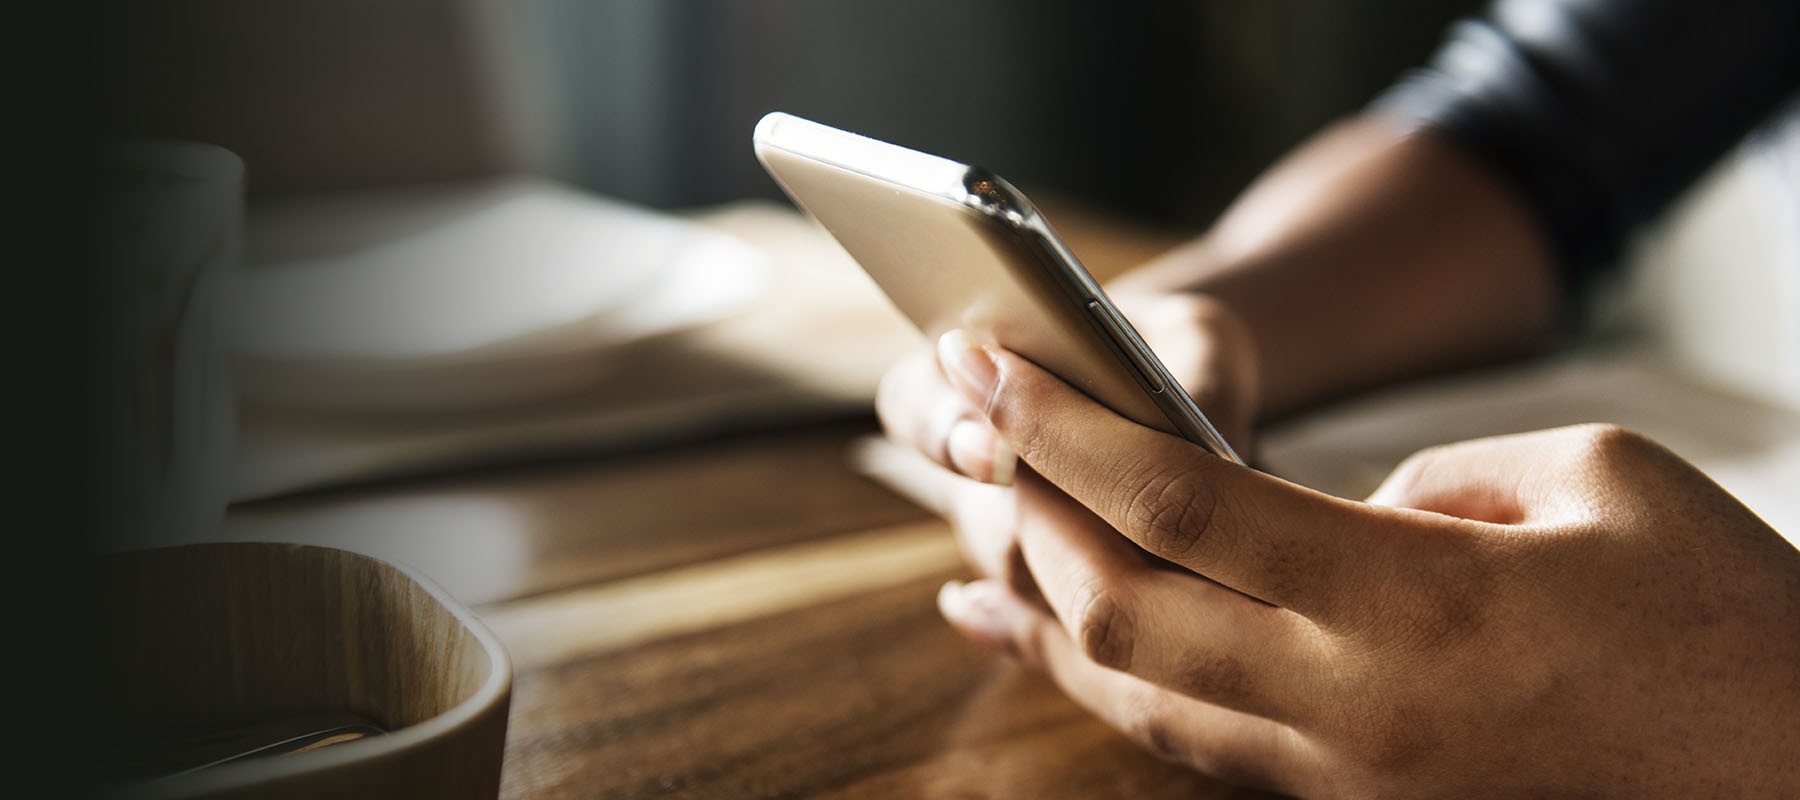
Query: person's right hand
{"type": "Point", "coordinates": [1574, 612]}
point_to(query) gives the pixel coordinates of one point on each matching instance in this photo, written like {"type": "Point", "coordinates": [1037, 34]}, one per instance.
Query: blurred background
{"type": "Point", "coordinates": [445, 208]}
{"type": "Point", "coordinates": [1159, 110]}
{"type": "Point", "coordinates": [449, 204]}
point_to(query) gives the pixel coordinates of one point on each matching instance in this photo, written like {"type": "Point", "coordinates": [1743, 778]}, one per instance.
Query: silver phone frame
{"type": "Point", "coordinates": [993, 198]}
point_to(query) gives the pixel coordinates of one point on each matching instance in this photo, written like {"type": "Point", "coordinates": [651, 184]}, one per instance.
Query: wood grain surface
{"type": "Point", "coordinates": [869, 696]}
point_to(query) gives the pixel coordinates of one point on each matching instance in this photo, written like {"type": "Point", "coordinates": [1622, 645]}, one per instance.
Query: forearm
{"type": "Point", "coordinates": [1367, 255]}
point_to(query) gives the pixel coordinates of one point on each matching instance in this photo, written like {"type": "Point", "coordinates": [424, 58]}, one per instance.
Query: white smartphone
{"type": "Point", "coordinates": [954, 246]}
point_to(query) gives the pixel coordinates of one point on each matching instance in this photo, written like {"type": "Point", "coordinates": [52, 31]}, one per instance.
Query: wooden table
{"type": "Point", "coordinates": [746, 617]}
{"type": "Point", "coordinates": [742, 617]}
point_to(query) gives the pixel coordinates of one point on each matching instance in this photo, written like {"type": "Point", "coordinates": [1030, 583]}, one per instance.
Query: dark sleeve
{"type": "Point", "coordinates": [1601, 112]}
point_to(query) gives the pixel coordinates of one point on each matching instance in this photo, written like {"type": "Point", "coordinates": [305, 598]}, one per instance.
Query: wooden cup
{"type": "Point", "coordinates": [201, 639]}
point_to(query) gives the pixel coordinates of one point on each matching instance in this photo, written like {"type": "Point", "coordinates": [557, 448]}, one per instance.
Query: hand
{"type": "Point", "coordinates": [1560, 613]}
{"type": "Point", "coordinates": [1202, 343]}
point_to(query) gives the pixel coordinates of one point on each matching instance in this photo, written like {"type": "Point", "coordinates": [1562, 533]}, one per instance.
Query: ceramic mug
{"type": "Point", "coordinates": [171, 226]}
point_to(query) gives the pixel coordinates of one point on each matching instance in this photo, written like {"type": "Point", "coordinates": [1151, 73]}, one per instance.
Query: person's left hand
{"type": "Point", "coordinates": [1202, 343]}
{"type": "Point", "coordinates": [1569, 612]}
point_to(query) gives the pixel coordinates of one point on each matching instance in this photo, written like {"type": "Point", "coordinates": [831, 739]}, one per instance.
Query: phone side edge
{"type": "Point", "coordinates": [1008, 206]}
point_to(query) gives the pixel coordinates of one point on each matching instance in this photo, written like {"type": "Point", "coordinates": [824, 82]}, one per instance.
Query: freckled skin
{"type": "Point", "coordinates": [1214, 674]}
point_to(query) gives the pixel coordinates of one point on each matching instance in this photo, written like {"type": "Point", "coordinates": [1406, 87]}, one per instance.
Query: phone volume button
{"type": "Point", "coordinates": [1115, 327]}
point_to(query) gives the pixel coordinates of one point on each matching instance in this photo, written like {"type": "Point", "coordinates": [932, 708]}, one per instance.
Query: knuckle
{"type": "Point", "coordinates": [1609, 437]}
{"type": "Point", "coordinates": [1619, 456]}
{"type": "Point", "coordinates": [1413, 470]}
{"type": "Point", "coordinates": [1104, 627]}
{"type": "Point", "coordinates": [1415, 466]}
{"type": "Point", "coordinates": [1231, 766]}
{"type": "Point", "coordinates": [1606, 444]}
{"type": "Point", "coordinates": [1412, 482]}
{"type": "Point", "coordinates": [1151, 726]}
{"type": "Point", "coordinates": [1171, 511]}
{"type": "Point", "coordinates": [1150, 723]}
{"type": "Point", "coordinates": [1149, 720]}
{"type": "Point", "coordinates": [1618, 463]}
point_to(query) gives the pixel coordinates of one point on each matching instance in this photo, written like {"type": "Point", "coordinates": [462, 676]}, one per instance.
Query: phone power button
{"type": "Point", "coordinates": [1115, 327]}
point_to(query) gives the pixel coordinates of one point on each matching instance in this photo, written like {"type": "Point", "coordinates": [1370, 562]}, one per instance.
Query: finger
{"type": "Point", "coordinates": [918, 408]}
{"type": "Point", "coordinates": [1240, 748]}
{"type": "Point", "coordinates": [982, 516]}
{"type": "Point", "coordinates": [1263, 536]}
{"type": "Point", "coordinates": [1528, 478]}
{"type": "Point", "coordinates": [1171, 628]}
{"type": "Point", "coordinates": [1477, 480]}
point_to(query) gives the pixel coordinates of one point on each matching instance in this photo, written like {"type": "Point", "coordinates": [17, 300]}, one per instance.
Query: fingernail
{"type": "Point", "coordinates": [970, 369]}
{"type": "Point", "coordinates": [979, 453]}
{"type": "Point", "coordinates": [951, 602]}
{"type": "Point", "coordinates": [966, 607]}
